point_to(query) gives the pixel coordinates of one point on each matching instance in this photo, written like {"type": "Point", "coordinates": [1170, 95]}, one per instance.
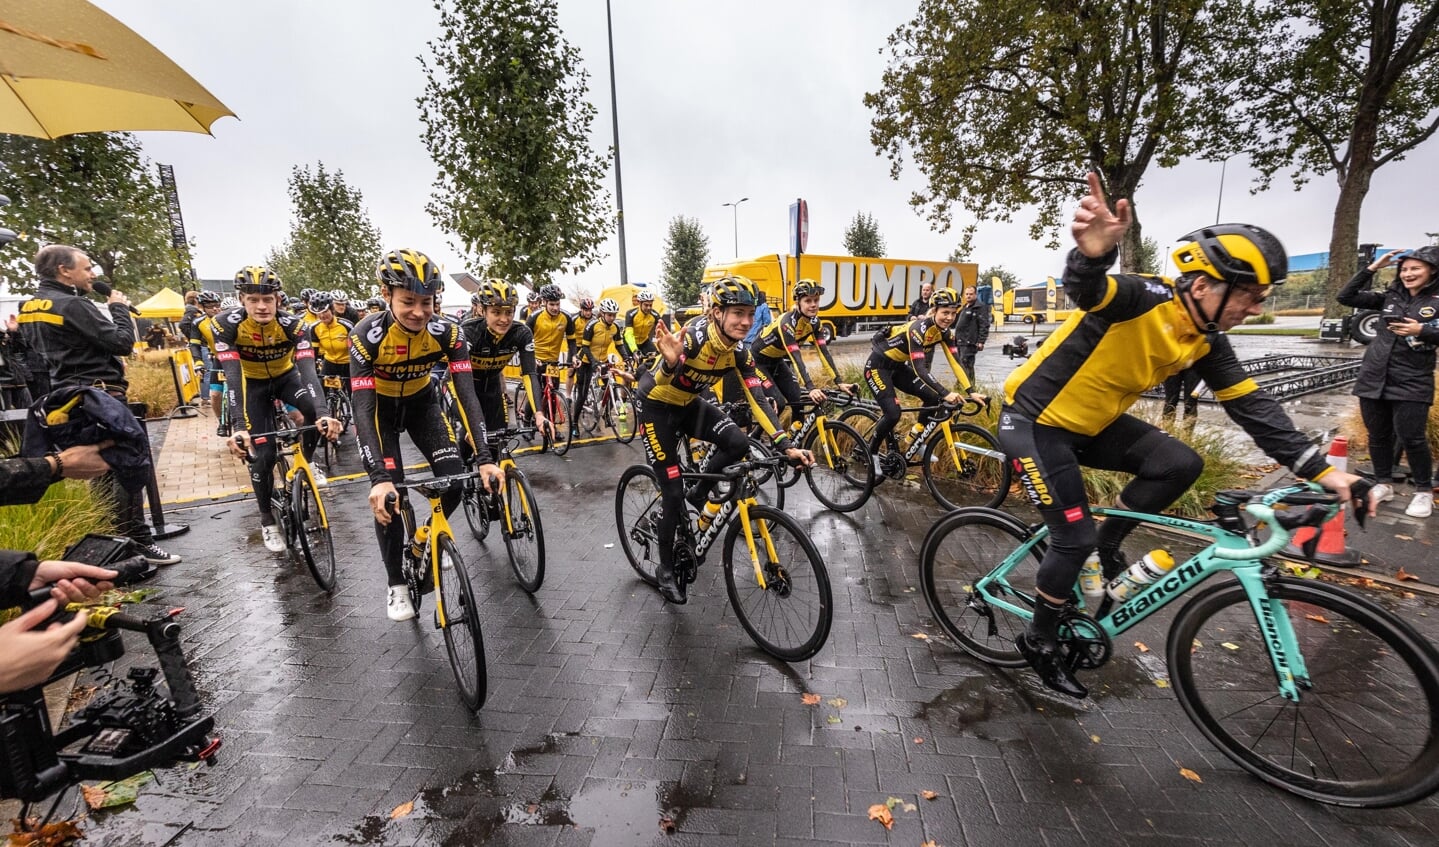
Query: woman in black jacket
{"type": "Point", "coordinates": [1396, 379]}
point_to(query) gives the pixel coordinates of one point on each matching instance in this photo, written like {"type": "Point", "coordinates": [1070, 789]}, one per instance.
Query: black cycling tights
{"type": "Point", "coordinates": [1047, 462]}
{"type": "Point", "coordinates": [883, 375]}
{"type": "Point", "coordinates": [661, 427]}
{"type": "Point", "coordinates": [260, 397]}
{"type": "Point", "coordinates": [423, 419]}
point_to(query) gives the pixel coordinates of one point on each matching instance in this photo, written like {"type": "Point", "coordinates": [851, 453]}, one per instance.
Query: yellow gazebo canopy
{"type": "Point", "coordinates": [166, 305]}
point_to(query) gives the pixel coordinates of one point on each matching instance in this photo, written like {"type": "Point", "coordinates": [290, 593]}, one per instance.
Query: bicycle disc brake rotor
{"type": "Point", "coordinates": [1082, 642]}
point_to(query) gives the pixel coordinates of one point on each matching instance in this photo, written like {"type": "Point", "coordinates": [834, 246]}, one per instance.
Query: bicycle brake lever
{"type": "Point", "coordinates": [1359, 492]}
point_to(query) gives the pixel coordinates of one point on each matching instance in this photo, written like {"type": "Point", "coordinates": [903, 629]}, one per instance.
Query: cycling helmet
{"type": "Point", "coordinates": [375, 303]}
{"type": "Point", "coordinates": [306, 294]}
{"type": "Point", "coordinates": [944, 298]}
{"type": "Point", "coordinates": [532, 297]}
{"type": "Point", "coordinates": [551, 293]}
{"type": "Point", "coordinates": [339, 296]}
{"type": "Point", "coordinates": [807, 288]}
{"type": "Point", "coordinates": [734, 291]}
{"type": "Point", "coordinates": [229, 303]}
{"type": "Point", "coordinates": [256, 279]}
{"type": "Point", "coordinates": [297, 304]}
{"type": "Point", "coordinates": [586, 304]}
{"type": "Point", "coordinates": [411, 270]}
{"type": "Point", "coordinates": [320, 301]}
{"type": "Point", "coordinates": [609, 306]}
{"type": "Point", "coordinates": [497, 292]}
{"type": "Point", "coordinates": [644, 297]}
{"type": "Point", "coordinates": [1234, 253]}
{"type": "Point", "coordinates": [209, 298]}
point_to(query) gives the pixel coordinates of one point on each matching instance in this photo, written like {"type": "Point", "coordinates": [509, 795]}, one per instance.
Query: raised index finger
{"type": "Point", "coordinates": [1096, 190]}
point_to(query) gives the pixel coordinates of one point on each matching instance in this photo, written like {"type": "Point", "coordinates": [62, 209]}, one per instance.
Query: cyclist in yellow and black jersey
{"type": "Point", "coordinates": [200, 334]}
{"type": "Point", "coordinates": [669, 407]}
{"type": "Point", "coordinates": [266, 356]}
{"type": "Point", "coordinates": [1066, 406]}
{"type": "Point", "coordinates": [639, 326]}
{"type": "Point", "coordinates": [776, 350]}
{"type": "Point", "coordinates": [391, 356]}
{"type": "Point", "coordinates": [330, 336]}
{"type": "Point", "coordinates": [899, 359]}
{"type": "Point", "coordinates": [495, 339]}
{"type": "Point", "coordinates": [597, 343]}
{"type": "Point", "coordinates": [552, 327]}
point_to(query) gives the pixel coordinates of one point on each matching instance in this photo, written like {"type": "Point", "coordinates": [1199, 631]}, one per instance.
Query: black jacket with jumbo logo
{"type": "Point", "coordinates": [1394, 369]}
{"type": "Point", "coordinates": [67, 332]}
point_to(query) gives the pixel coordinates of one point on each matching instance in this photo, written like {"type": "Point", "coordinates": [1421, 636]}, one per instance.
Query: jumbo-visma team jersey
{"type": "Point", "coordinates": [394, 362]}
{"type": "Point", "coordinates": [264, 350]}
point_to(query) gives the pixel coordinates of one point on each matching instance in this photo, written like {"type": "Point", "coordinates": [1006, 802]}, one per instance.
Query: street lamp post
{"type": "Point", "coordinates": [735, 206]}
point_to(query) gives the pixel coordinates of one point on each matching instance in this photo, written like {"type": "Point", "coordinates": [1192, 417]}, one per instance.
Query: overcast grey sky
{"type": "Point", "coordinates": [717, 101]}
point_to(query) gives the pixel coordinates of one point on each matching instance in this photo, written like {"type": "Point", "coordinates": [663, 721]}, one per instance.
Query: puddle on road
{"type": "Point", "coordinates": [473, 809]}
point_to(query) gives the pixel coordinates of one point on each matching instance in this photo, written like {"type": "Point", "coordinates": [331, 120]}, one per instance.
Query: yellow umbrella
{"type": "Point", "coordinates": [67, 67]}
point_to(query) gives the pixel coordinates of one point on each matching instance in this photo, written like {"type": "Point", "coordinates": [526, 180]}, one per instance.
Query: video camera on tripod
{"type": "Point", "coordinates": [129, 726]}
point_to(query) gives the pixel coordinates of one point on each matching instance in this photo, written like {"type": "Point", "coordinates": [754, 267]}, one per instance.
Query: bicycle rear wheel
{"type": "Point", "coordinates": [524, 536]}
{"type": "Point", "coordinates": [842, 476]}
{"type": "Point", "coordinates": [313, 531]}
{"type": "Point", "coordinates": [861, 420]}
{"type": "Point", "coordinates": [1365, 731]}
{"type": "Point", "coordinates": [637, 516]}
{"type": "Point", "coordinates": [958, 551]}
{"type": "Point", "coordinates": [476, 515]}
{"type": "Point", "coordinates": [464, 642]}
{"type": "Point", "coordinates": [789, 618]}
{"type": "Point", "coordinates": [557, 407]}
{"type": "Point", "coordinates": [966, 477]}
{"type": "Point", "coordinates": [586, 411]}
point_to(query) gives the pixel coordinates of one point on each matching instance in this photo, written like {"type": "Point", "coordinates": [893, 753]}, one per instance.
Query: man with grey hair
{"type": "Point", "coordinates": [83, 347]}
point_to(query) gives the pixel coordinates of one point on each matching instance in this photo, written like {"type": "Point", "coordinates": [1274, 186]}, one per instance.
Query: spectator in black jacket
{"type": "Point", "coordinates": [1395, 386]}
{"type": "Point", "coordinates": [920, 307]}
{"type": "Point", "coordinates": [971, 330]}
{"type": "Point", "coordinates": [83, 347]}
{"type": "Point", "coordinates": [14, 370]}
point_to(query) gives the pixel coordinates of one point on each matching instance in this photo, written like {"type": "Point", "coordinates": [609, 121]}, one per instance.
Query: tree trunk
{"type": "Point", "coordinates": [1133, 242]}
{"type": "Point", "coordinates": [1344, 236]}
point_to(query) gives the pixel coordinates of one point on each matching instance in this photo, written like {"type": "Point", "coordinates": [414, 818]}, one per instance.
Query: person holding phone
{"type": "Point", "coordinates": [1395, 386]}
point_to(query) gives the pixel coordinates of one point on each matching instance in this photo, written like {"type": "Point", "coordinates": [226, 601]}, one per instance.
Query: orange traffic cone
{"type": "Point", "coordinates": [1332, 547]}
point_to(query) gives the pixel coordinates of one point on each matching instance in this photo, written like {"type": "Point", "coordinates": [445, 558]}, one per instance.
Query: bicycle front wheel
{"type": "Point", "coordinates": [960, 550]}
{"type": "Point", "coordinates": [1365, 730]}
{"type": "Point", "coordinates": [842, 476]}
{"type": "Point", "coordinates": [975, 473]}
{"type": "Point", "coordinates": [313, 531]}
{"type": "Point", "coordinates": [637, 517]}
{"type": "Point", "coordinates": [476, 515]}
{"type": "Point", "coordinates": [790, 615]}
{"type": "Point", "coordinates": [524, 536]}
{"type": "Point", "coordinates": [586, 411]}
{"type": "Point", "coordinates": [463, 641]}
{"type": "Point", "coordinates": [622, 418]}
{"type": "Point", "coordinates": [559, 412]}
{"type": "Point", "coordinates": [861, 420]}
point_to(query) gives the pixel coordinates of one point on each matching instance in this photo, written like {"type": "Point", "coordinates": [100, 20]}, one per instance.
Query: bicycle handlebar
{"type": "Point", "coordinates": [1321, 505]}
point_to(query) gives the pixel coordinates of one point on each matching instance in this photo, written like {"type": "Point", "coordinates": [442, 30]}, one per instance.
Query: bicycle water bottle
{"type": "Point", "coordinates": [1155, 564]}
{"type": "Point", "coordinates": [1091, 582]}
{"type": "Point", "coordinates": [707, 516]}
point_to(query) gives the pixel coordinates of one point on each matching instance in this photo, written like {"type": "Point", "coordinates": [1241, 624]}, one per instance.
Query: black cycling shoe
{"type": "Point", "coordinates": [669, 586]}
{"type": "Point", "coordinates": [1051, 667]}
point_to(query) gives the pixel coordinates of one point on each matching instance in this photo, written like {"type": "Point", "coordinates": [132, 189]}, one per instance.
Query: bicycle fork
{"type": "Point", "coordinates": [1290, 671]}
{"type": "Point", "coordinates": [749, 540]}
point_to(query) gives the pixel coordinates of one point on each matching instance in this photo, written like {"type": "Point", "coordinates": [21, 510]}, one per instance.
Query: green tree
{"type": "Point", "coordinates": [1008, 277]}
{"type": "Point", "coordinates": [1147, 261]}
{"type": "Point", "coordinates": [687, 252]}
{"type": "Point", "coordinates": [506, 121]}
{"type": "Point", "coordinates": [862, 238]}
{"type": "Point", "coordinates": [332, 243]}
{"type": "Point", "coordinates": [97, 192]}
{"type": "Point", "coordinates": [1003, 104]}
{"type": "Point", "coordinates": [1353, 89]}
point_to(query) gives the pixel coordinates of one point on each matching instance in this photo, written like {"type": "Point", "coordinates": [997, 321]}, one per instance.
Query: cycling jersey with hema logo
{"type": "Point", "coordinates": [395, 362]}
{"type": "Point", "coordinates": [264, 351]}
{"type": "Point", "coordinates": [705, 360]}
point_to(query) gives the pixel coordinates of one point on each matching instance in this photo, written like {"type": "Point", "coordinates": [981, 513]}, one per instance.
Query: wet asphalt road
{"type": "Point", "coordinates": [609, 711]}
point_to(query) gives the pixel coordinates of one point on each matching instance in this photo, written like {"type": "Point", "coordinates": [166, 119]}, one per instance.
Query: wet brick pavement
{"type": "Point", "coordinates": [608, 710]}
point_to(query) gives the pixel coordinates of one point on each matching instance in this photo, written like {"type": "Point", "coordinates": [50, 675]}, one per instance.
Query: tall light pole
{"type": "Point", "coordinates": [735, 206]}
{"type": "Point", "coordinates": [615, 121]}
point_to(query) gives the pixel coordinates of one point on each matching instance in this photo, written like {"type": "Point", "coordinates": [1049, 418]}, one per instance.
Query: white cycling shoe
{"type": "Point", "coordinates": [397, 604]}
{"type": "Point", "coordinates": [274, 539]}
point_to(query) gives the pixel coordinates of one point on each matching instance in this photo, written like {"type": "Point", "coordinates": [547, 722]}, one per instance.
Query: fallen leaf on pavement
{"type": "Point", "coordinates": [929, 843]}
{"type": "Point", "coordinates": [809, 699]}
{"type": "Point", "coordinates": [908, 807]}
{"type": "Point", "coordinates": [1229, 645]}
{"type": "Point", "coordinates": [108, 795]}
{"type": "Point", "coordinates": [1141, 646]}
{"type": "Point", "coordinates": [1189, 774]}
{"type": "Point", "coordinates": [918, 740]}
{"type": "Point", "coordinates": [1405, 537]}
{"type": "Point", "coordinates": [1403, 575]}
{"type": "Point", "coordinates": [839, 702]}
{"type": "Point", "coordinates": [50, 835]}
{"type": "Point", "coordinates": [921, 636]}
{"type": "Point", "coordinates": [667, 825]}
{"type": "Point", "coordinates": [927, 794]}
{"type": "Point", "coordinates": [833, 719]}
{"type": "Point", "coordinates": [403, 810]}
{"type": "Point", "coordinates": [1094, 738]}
{"type": "Point", "coordinates": [1317, 618]}
{"type": "Point", "coordinates": [880, 812]}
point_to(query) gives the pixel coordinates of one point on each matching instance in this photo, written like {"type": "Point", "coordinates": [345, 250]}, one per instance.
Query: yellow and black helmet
{"type": "Point", "coordinates": [256, 279]}
{"type": "Point", "coordinates": [497, 292]}
{"type": "Point", "coordinates": [734, 291]}
{"type": "Point", "coordinates": [1235, 253]}
{"type": "Point", "coordinates": [807, 288]}
{"type": "Point", "coordinates": [410, 269]}
{"type": "Point", "coordinates": [944, 298]}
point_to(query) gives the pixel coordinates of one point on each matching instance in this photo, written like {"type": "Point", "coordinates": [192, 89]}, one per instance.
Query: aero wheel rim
{"type": "Point", "coordinates": [460, 621]}
{"type": "Point", "coordinates": [785, 615]}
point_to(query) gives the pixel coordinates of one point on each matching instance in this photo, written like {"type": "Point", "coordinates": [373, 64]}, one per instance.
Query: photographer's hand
{"type": "Point", "coordinates": [29, 655]}
{"type": "Point", "coordinates": [74, 582]}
